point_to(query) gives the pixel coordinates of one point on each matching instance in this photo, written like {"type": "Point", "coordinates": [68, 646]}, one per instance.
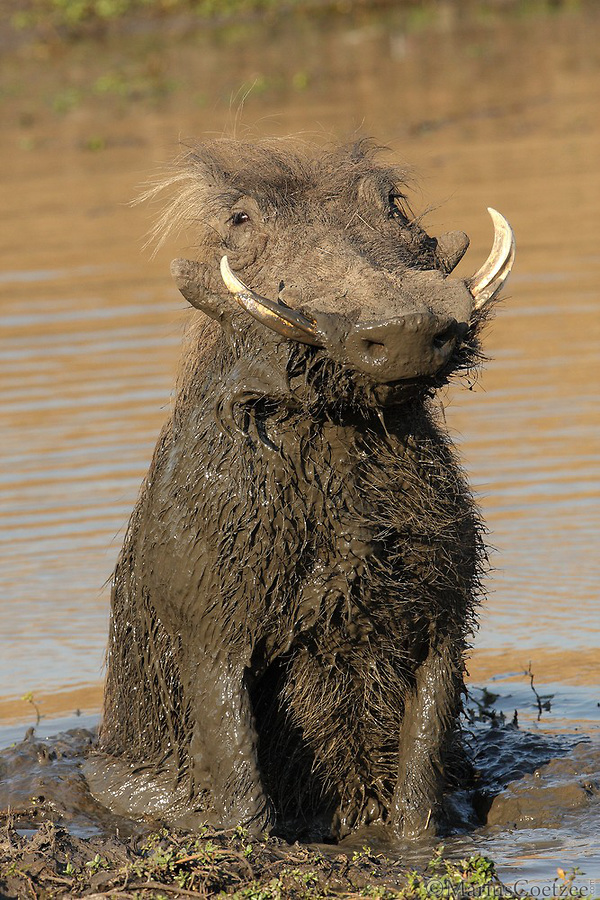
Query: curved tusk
{"type": "Point", "coordinates": [285, 321]}
{"type": "Point", "coordinates": [490, 278]}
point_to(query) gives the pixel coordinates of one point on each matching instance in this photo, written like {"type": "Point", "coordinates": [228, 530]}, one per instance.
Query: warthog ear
{"type": "Point", "coordinates": [189, 278]}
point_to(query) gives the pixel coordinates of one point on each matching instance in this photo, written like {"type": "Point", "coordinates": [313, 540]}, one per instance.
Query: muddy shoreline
{"type": "Point", "coordinates": [56, 840]}
{"type": "Point", "coordinates": [53, 864]}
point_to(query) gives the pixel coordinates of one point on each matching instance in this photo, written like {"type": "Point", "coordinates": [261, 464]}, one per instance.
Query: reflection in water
{"type": "Point", "coordinates": [496, 112]}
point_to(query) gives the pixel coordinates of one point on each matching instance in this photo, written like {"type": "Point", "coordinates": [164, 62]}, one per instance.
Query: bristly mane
{"type": "Point", "coordinates": [281, 173]}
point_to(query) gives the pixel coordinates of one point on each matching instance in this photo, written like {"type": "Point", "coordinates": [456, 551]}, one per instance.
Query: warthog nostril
{"type": "Point", "coordinates": [444, 337]}
{"type": "Point", "coordinates": [375, 349]}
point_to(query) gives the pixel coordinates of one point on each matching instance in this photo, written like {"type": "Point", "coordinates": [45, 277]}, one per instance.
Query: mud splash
{"type": "Point", "coordinates": [538, 795]}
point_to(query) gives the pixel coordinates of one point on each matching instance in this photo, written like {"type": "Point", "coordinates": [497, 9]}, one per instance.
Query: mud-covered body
{"type": "Point", "coordinates": [294, 596]}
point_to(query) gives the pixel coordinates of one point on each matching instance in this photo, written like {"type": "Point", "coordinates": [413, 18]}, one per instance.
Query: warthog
{"type": "Point", "coordinates": [296, 590]}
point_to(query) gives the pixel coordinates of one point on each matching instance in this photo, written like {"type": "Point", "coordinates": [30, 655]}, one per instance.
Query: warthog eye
{"type": "Point", "coordinates": [238, 218]}
{"type": "Point", "coordinates": [396, 207]}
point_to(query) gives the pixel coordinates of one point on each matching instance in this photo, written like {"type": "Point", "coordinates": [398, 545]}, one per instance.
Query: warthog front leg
{"type": "Point", "coordinates": [223, 758]}
{"type": "Point", "coordinates": [425, 734]}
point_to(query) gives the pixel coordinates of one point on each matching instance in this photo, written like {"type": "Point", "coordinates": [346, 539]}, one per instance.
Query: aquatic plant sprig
{"type": "Point", "coordinates": [29, 698]}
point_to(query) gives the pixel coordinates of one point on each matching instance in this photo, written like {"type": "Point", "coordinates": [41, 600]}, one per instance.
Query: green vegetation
{"type": "Point", "coordinates": [73, 18]}
{"type": "Point", "coordinates": [70, 19]}
{"type": "Point", "coordinates": [232, 865]}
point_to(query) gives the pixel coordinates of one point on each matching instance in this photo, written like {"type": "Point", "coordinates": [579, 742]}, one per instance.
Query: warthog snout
{"type": "Point", "coordinates": [404, 347]}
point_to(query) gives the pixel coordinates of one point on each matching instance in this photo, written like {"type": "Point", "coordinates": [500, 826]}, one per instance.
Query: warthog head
{"type": "Point", "coordinates": [320, 248]}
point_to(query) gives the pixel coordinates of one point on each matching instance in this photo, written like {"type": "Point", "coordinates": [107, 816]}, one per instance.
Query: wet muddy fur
{"type": "Point", "coordinates": [294, 597]}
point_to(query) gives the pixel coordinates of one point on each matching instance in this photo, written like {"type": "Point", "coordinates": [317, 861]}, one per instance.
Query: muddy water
{"type": "Point", "coordinates": [498, 110]}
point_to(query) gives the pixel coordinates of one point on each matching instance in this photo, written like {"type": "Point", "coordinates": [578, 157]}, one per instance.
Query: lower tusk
{"type": "Point", "coordinates": [291, 324]}
{"type": "Point", "coordinates": [491, 277]}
